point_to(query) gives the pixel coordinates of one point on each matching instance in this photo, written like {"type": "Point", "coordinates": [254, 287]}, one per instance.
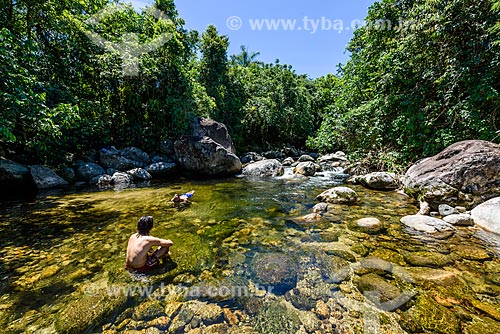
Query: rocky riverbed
{"type": "Point", "coordinates": [245, 260]}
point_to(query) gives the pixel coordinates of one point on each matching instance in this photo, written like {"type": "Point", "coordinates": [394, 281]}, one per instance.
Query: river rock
{"type": "Point", "coordinates": [15, 180]}
{"type": "Point", "coordinates": [320, 208]}
{"type": "Point", "coordinates": [161, 168]}
{"type": "Point", "coordinates": [305, 168]}
{"type": "Point", "coordinates": [379, 181]}
{"type": "Point", "coordinates": [471, 252]}
{"type": "Point", "coordinates": [464, 174]}
{"type": "Point", "coordinates": [367, 225]}
{"type": "Point", "coordinates": [337, 156]}
{"type": "Point", "coordinates": [426, 315]}
{"type": "Point", "coordinates": [288, 162]}
{"type": "Point", "coordinates": [205, 127]}
{"type": "Point", "coordinates": [487, 215]}
{"type": "Point", "coordinates": [104, 180]}
{"type": "Point", "coordinates": [461, 219]}
{"type": "Point", "coordinates": [275, 269]}
{"type": "Point", "coordinates": [251, 157]}
{"type": "Point", "coordinates": [423, 275]}
{"type": "Point", "coordinates": [206, 157]}
{"type": "Point", "coordinates": [427, 259]}
{"type": "Point", "coordinates": [113, 158]}
{"type": "Point", "coordinates": [88, 171]}
{"type": "Point", "coordinates": [274, 155]}
{"type": "Point", "coordinates": [374, 264]}
{"type": "Point", "coordinates": [264, 168]}
{"type": "Point", "coordinates": [121, 180]}
{"type": "Point", "coordinates": [45, 177]}
{"type": "Point", "coordinates": [427, 224]}
{"type": "Point", "coordinates": [305, 158]}
{"type": "Point", "coordinates": [338, 195]}
{"type": "Point", "coordinates": [135, 154]}
{"type": "Point", "coordinates": [378, 289]}
{"type": "Point", "coordinates": [139, 174]}
{"type": "Point", "coordinates": [446, 210]}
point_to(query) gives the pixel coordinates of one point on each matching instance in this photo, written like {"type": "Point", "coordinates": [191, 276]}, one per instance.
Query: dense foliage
{"type": "Point", "coordinates": [422, 75]}
{"type": "Point", "coordinates": [83, 74]}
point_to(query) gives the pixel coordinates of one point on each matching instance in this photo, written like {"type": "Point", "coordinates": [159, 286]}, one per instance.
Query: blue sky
{"type": "Point", "coordinates": [309, 35]}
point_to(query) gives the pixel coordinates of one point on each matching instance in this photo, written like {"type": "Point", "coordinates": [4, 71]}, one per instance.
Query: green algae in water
{"type": "Point", "coordinates": [59, 248]}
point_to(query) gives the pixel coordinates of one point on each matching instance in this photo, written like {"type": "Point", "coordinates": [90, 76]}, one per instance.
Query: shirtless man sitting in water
{"type": "Point", "coordinates": [140, 254]}
{"type": "Point", "coordinates": [182, 198]}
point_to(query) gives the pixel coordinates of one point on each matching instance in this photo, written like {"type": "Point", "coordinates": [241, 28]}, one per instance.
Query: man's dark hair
{"type": "Point", "coordinates": [144, 225]}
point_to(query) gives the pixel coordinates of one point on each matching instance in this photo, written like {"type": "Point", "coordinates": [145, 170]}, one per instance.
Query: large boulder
{"type": "Point", "coordinates": [46, 178]}
{"type": "Point", "coordinates": [205, 156]}
{"type": "Point", "coordinates": [487, 215]}
{"type": "Point", "coordinates": [88, 171]}
{"type": "Point", "coordinates": [427, 224]}
{"type": "Point", "coordinates": [466, 173]}
{"type": "Point", "coordinates": [161, 168]}
{"type": "Point", "coordinates": [112, 158]}
{"type": "Point", "coordinates": [205, 127]}
{"type": "Point", "coordinates": [305, 168]}
{"type": "Point", "coordinates": [137, 155]}
{"type": "Point", "coordinates": [15, 181]}
{"type": "Point", "coordinates": [379, 181]}
{"type": "Point", "coordinates": [264, 168]}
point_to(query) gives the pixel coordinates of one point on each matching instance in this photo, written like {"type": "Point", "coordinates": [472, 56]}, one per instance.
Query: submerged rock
{"type": "Point", "coordinates": [466, 174]}
{"type": "Point", "coordinates": [461, 219]}
{"type": "Point", "coordinates": [338, 195]}
{"type": "Point", "coordinates": [487, 215]}
{"type": "Point", "coordinates": [427, 224]}
{"type": "Point", "coordinates": [427, 259]}
{"type": "Point", "coordinates": [275, 269]}
{"type": "Point", "coordinates": [367, 225]}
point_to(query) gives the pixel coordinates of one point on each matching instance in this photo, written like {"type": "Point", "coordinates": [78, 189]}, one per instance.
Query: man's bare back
{"type": "Point", "coordinates": [140, 255]}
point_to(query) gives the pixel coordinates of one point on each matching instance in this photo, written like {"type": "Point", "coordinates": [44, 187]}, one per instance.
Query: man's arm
{"type": "Point", "coordinates": [160, 242]}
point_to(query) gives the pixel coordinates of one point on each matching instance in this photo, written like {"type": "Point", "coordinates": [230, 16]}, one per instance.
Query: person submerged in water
{"type": "Point", "coordinates": [140, 254]}
{"type": "Point", "coordinates": [183, 198]}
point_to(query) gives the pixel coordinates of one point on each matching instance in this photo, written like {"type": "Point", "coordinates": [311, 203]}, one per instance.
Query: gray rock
{"type": "Point", "coordinates": [446, 210]}
{"type": "Point", "coordinates": [135, 154]}
{"type": "Point", "coordinates": [161, 169]}
{"type": "Point", "coordinates": [205, 127]}
{"type": "Point", "coordinates": [461, 219]}
{"type": "Point", "coordinates": [427, 224]}
{"type": "Point", "coordinates": [114, 159]}
{"type": "Point", "coordinates": [305, 168]}
{"type": "Point", "coordinates": [338, 195]}
{"type": "Point", "coordinates": [205, 156]}
{"type": "Point", "coordinates": [68, 174]}
{"type": "Point", "coordinates": [464, 174]}
{"type": "Point", "coordinates": [305, 158]}
{"type": "Point", "coordinates": [425, 208]}
{"type": "Point", "coordinates": [15, 180]}
{"type": "Point", "coordinates": [139, 174]}
{"type": "Point", "coordinates": [338, 156]}
{"type": "Point", "coordinates": [251, 157]}
{"type": "Point", "coordinates": [320, 207]}
{"type": "Point", "coordinates": [274, 155]}
{"type": "Point", "coordinates": [264, 168]}
{"type": "Point", "coordinates": [367, 225]}
{"type": "Point", "coordinates": [45, 177]}
{"type": "Point", "coordinates": [288, 162]}
{"type": "Point", "coordinates": [104, 180]}
{"type": "Point", "coordinates": [89, 170]}
{"type": "Point", "coordinates": [379, 181]}
{"type": "Point", "coordinates": [487, 215]}
{"type": "Point", "coordinates": [121, 180]}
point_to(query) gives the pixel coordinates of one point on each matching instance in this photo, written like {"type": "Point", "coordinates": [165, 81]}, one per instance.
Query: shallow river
{"type": "Point", "coordinates": [242, 262]}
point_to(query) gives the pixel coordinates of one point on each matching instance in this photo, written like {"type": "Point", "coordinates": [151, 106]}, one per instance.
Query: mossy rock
{"type": "Point", "coordinates": [428, 315]}
{"type": "Point", "coordinates": [481, 325]}
{"type": "Point", "coordinates": [148, 310]}
{"type": "Point", "coordinates": [360, 249]}
{"type": "Point", "coordinates": [277, 318]}
{"type": "Point", "coordinates": [427, 259]}
{"type": "Point", "coordinates": [88, 312]}
{"type": "Point", "coordinates": [388, 255]}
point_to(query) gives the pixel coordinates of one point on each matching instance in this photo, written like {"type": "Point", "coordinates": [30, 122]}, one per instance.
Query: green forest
{"type": "Point", "coordinates": [407, 91]}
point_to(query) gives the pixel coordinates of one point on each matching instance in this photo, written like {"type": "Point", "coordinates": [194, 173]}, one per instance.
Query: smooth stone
{"type": "Point", "coordinates": [461, 219]}
{"type": "Point", "coordinates": [338, 195]}
{"type": "Point", "coordinates": [320, 208]}
{"type": "Point", "coordinates": [471, 252]}
{"type": "Point", "coordinates": [423, 275]}
{"type": "Point", "coordinates": [487, 215]}
{"type": "Point", "coordinates": [367, 225]}
{"type": "Point", "coordinates": [427, 259]}
{"type": "Point", "coordinates": [446, 210]}
{"type": "Point", "coordinates": [427, 224]}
